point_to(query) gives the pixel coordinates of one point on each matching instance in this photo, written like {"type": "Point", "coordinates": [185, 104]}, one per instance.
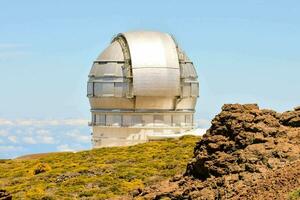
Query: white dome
{"type": "Point", "coordinates": [142, 72]}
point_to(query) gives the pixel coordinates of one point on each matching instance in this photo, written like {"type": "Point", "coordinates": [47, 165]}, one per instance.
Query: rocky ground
{"type": "Point", "coordinates": [248, 153]}
{"type": "Point", "coordinates": [4, 195]}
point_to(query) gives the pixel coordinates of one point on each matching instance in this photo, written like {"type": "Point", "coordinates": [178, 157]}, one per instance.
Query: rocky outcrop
{"type": "Point", "coordinates": [291, 118]}
{"type": "Point", "coordinates": [243, 146]}
{"type": "Point", "coordinates": [4, 195]}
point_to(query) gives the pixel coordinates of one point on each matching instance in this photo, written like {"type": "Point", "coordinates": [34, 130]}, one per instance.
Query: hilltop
{"type": "Point", "coordinates": [96, 174]}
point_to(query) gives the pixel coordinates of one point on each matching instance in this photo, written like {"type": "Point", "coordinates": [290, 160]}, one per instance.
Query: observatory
{"type": "Point", "coordinates": [141, 87]}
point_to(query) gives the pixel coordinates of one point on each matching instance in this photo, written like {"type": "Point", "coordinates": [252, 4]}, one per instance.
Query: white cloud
{"type": "Point", "coordinates": [46, 139]}
{"type": "Point", "coordinates": [55, 135]}
{"type": "Point", "coordinates": [41, 136]}
{"type": "Point", "coordinates": [6, 122]}
{"type": "Point", "coordinates": [3, 132]}
{"type": "Point", "coordinates": [77, 122]}
{"type": "Point", "coordinates": [29, 140]}
{"type": "Point", "coordinates": [203, 123]}
{"type": "Point", "coordinates": [10, 148]}
{"type": "Point", "coordinates": [43, 132]}
{"type": "Point", "coordinates": [79, 137]}
{"type": "Point", "coordinates": [34, 122]}
{"type": "Point", "coordinates": [64, 147]}
{"type": "Point", "coordinates": [12, 138]}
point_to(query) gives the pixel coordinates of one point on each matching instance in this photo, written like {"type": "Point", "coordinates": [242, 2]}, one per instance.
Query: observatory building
{"type": "Point", "coordinates": [141, 87]}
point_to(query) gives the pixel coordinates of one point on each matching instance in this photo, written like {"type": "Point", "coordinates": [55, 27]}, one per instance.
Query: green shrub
{"type": "Point", "coordinates": [40, 168]}
{"type": "Point", "coordinates": [96, 174]}
{"type": "Point", "coordinates": [295, 195]}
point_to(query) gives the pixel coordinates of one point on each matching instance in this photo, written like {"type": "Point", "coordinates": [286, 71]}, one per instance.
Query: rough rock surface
{"type": "Point", "coordinates": [247, 153]}
{"type": "Point", "coordinates": [4, 195]}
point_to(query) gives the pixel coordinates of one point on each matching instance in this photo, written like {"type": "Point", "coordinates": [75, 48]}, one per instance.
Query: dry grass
{"type": "Point", "coordinates": [95, 174]}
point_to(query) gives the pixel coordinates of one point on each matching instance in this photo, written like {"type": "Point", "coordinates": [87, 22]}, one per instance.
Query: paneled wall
{"type": "Point", "coordinates": [127, 120]}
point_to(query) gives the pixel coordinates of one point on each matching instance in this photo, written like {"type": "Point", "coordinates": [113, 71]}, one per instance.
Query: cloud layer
{"type": "Point", "coordinates": [19, 137]}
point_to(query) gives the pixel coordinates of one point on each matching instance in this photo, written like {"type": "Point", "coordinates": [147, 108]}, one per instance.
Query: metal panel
{"type": "Point", "coordinates": [187, 103]}
{"type": "Point", "coordinates": [168, 119]}
{"type": "Point", "coordinates": [117, 120]}
{"type": "Point", "coordinates": [100, 119]}
{"type": "Point", "coordinates": [104, 89]}
{"type": "Point", "coordinates": [195, 90]}
{"type": "Point", "coordinates": [186, 90]}
{"type": "Point", "coordinates": [127, 120]}
{"type": "Point", "coordinates": [111, 103]}
{"type": "Point", "coordinates": [156, 82]}
{"type": "Point", "coordinates": [178, 120]}
{"type": "Point", "coordinates": [112, 53]}
{"type": "Point", "coordinates": [107, 69]}
{"type": "Point", "coordinates": [90, 89]}
{"type": "Point", "coordinates": [158, 119]}
{"type": "Point", "coordinates": [188, 70]}
{"type": "Point", "coordinates": [108, 79]}
{"type": "Point", "coordinates": [154, 102]}
{"type": "Point", "coordinates": [113, 120]}
{"type": "Point", "coordinates": [147, 119]}
{"type": "Point", "coordinates": [136, 120]}
{"type": "Point", "coordinates": [120, 89]}
{"type": "Point", "coordinates": [109, 120]}
{"type": "Point", "coordinates": [98, 89]}
{"type": "Point", "coordinates": [152, 49]}
{"type": "Point", "coordinates": [93, 118]}
{"type": "Point", "coordinates": [108, 89]}
{"type": "Point", "coordinates": [155, 64]}
{"type": "Point", "coordinates": [188, 119]}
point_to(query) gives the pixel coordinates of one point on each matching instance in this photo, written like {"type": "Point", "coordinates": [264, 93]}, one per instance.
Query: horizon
{"type": "Point", "coordinates": [243, 52]}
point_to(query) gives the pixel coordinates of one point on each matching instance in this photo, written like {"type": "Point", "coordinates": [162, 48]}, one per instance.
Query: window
{"type": "Point", "coordinates": [117, 120]}
{"type": "Point", "coordinates": [119, 89]}
{"type": "Point", "coordinates": [178, 120]}
{"type": "Point", "coordinates": [90, 89]}
{"type": "Point", "coordinates": [108, 89]}
{"type": "Point", "coordinates": [168, 120]}
{"type": "Point", "coordinates": [126, 120]}
{"type": "Point", "coordinates": [188, 70]}
{"type": "Point", "coordinates": [98, 89]}
{"type": "Point", "coordinates": [136, 120]}
{"type": "Point", "coordinates": [158, 119]}
{"type": "Point", "coordinates": [104, 89]}
{"type": "Point", "coordinates": [188, 120]}
{"type": "Point", "coordinates": [99, 119]}
{"type": "Point", "coordinates": [93, 118]}
{"type": "Point", "coordinates": [113, 120]}
{"type": "Point", "coordinates": [148, 120]}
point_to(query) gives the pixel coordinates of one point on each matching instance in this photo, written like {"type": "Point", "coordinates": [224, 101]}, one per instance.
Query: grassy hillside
{"type": "Point", "coordinates": [95, 174]}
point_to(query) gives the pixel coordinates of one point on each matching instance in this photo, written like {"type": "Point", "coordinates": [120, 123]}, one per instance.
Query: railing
{"type": "Point", "coordinates": [144, 125]}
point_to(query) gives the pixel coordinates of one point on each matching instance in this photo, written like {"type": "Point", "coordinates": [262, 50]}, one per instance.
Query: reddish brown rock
{"type": "Point", "coordinates": [245, 148]}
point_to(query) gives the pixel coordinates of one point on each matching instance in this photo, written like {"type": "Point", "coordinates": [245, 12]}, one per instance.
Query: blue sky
{"type": "Point", "coordinates": [244, 51]}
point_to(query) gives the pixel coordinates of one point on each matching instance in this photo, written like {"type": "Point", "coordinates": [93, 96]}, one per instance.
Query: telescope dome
{"type": "Point", "coordinates": [141, 87]}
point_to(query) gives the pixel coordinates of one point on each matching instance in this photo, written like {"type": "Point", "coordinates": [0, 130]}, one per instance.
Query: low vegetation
{"type": "Point", "coordinates": [295, 195]}
{"type": "Point", "coordinates": [96, 174]}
